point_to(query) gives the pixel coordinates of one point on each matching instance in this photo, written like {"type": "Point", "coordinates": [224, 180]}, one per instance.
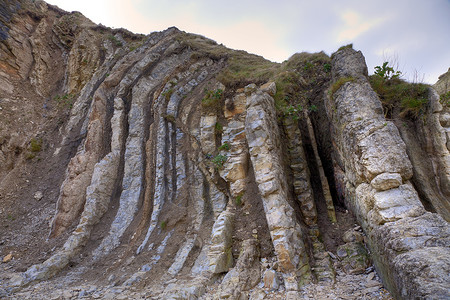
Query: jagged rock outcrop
{"type": "Point", "coordinates": [372, 155]}
{"type": "Point", "coordinates": [169, 167]}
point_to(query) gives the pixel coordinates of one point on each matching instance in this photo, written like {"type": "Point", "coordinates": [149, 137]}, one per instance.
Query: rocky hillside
{"type": "Point", "coordinates": [167, 166]}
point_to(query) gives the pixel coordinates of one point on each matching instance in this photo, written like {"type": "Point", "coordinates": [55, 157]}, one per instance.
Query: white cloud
{"type": "Point", "coordinates": [356, 24]}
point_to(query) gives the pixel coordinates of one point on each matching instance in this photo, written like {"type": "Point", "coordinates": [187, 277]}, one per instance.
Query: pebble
{"type": "Point", "coordinates": [372, 283]}
{"type": "Point", "coordinates": [38, 195]}
{"type": "Point", "coordinates": [7, 258]}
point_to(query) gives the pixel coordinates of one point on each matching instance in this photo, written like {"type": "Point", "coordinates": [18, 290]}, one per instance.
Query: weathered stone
{"type": "Point", "coordinates": [352, 236]}
{"type": "Point", "coordinates": [220, 256]}
{"type": "Point", "coordinates": [269, 88]}
{"type": "Point", "coordinates": [270, 280]}
{"type": "Point", "coordinates": [207, 135]}
{"type": "Point", "coordinates": [263, 141]}
{"type": "Point", "coordinates": [386, 181]}
{"type": "Point", "coordinates": [245, 275]}
{"type": "Point", "coordinates": [7, 258]}
{"type": "Point", "coordinates": [369, 151]}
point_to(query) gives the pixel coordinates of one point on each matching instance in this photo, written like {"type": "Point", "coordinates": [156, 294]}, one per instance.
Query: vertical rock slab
{"type": "Point", "coordinates": [220, 256]}
{"type": "Point", "coordinates": [376, 173]}
{"type": "Point", "coordinates": [265, 152]}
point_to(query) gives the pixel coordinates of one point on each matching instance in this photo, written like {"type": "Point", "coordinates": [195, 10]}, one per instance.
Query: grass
{"type": "Point", "coordinates": [35, 145]}
{"type": "Point", "coordinates": [238, 199]}
{"type": "Point", "coordinates": [445, 99]}
{"type": "Point", "coordinates": [65, 100]}
{"type": "Point", "coordinates": [212, 97]}
{"type": "Point", "coordinates": [410, 98]}
{"type": "Point", "coordinates": [296, 79]}
{"type": "Point", "coordinates": [242, 67]}
{"type": "Point", "coordinates": [218, 128]}
{"type": "Point", "coordinates": [163, 225]}
{"type": "Point", "coordinates": [115, 40]}
{"type": "Point", "coordinates": [339, 83]}
{"type": "Point", "coordinates": [167, 94]}
{"type": "Point", "coordinates": [346, 47]}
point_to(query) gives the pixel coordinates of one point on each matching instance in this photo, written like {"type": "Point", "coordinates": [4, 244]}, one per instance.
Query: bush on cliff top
{"type": "Point", "coordinates": [409, 100]}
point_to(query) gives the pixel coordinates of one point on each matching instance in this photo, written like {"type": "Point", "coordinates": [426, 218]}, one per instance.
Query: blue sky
{"type": "Point", "coordinates": [415, 34]}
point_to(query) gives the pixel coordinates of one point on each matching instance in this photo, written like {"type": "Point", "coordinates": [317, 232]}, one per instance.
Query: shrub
{"type": "Point", "coordinates": [212, 98]}
{"type": "Point", "coordinates": [225, 146]}
{"type": "Point", "coordinates": [219, 160]}
{"type": "Point", "coordinates": [292, 111]}
{"type": "Point", "coordinates": [387, 72]}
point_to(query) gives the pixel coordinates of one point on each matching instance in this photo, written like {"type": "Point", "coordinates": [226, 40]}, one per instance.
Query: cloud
{"type": "Point", "coordinates": [355, 25]}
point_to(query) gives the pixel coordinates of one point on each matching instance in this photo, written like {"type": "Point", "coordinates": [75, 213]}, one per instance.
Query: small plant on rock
{"type": "Point", "coordinates": [387, 72]}
{"type": "Point", "coordinates": [163, 225]}
{"type": "Point", "coordinates": [218, 128]}
{"type": "Point", "coordinates": [115, 40]}
{"type": "Point", "coordinates": [212, 97]}
{"type": "Point", "coordinates": [219, 160]}
{"type": "Point", "coordinates": [238, 199]}
{"type": "Point", "coordinates": [35, 145]}
{"type": "Point", "coordinates": [225, 146]}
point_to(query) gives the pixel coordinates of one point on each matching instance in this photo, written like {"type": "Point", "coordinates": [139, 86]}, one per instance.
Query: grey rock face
{"type": "Point", "coordinates": [264, 146]}
{"type": "Point", "coordinates": [377, 173]}
{"type": "Point", "coordinates": [169, 197]}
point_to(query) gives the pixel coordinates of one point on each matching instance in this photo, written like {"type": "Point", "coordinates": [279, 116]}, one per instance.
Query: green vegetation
{"type": "Point", "coordinates": [212, 98]}
{"type": "Point", "coordinates": [169, 118]}
{"type": "Point", "coordinates": [340, 82]}
{"type": "Point", "coordinates": [445, 99]}
{"type": "Point", "coordinates": [34, 147]}
{"type": "Point", "coordinates": [386, 71]}
{"type": "Point", "coordinates": [167, 94]}
{"type": "Point", "coordinates": [219, 160]}
{"type": "Point", "coordinates": [115, 40]}
{"type": "Point", "coordinates": [65, 100]}
{"type": "Point", "coordinates": [408, 100]}
{"type": "Point", "coordinates": [242, 68]}
{"type": "Point", "coordinates": [298, 79]}
{"type": "Point", "coordinates": [345, 47]}
{"type": "Point", "coordinates": [163, 225]}
{"type": "Point", "coordinates": [292, 111]}
{"type": "Point", "coordinates": [218, 128]}
{"type": "Point", "coordinates": [225, 146]}
{"type": "Point", "coordinates": [238, 199]}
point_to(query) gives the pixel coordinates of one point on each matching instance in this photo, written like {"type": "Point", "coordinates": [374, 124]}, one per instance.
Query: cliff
{"type": "Point", "coordinates": [167, 166]}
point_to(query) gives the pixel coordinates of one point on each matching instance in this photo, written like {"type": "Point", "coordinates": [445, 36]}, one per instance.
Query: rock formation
{"type": "Point", "coordinates": [169, 167]}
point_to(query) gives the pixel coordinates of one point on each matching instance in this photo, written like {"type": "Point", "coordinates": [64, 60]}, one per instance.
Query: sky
{"type": "Point", "coordinates": [413, 35]}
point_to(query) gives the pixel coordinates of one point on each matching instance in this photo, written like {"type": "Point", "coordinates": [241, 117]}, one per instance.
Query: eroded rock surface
{"type": "Point", "coordinates": [152, 166]}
